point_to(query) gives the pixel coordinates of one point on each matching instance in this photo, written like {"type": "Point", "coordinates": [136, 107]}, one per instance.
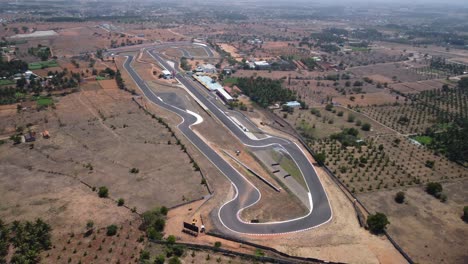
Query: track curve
{"type": "Point", "coordinates": [246, 193]}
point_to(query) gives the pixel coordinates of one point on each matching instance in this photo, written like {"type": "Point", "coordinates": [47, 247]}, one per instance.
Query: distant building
{"type": "Point", "coordinates": [232, 90]}
{"type": "Point", "coordinates": [227, 71]}
{"type": "Point", "coordinates": [293, 104]}
{"type": "Point", "coordinates": [166, 74]}
{"type": "Point", "coordinates": [262, 65]}
{"type": "Point", "coordinates": [255, 41]}
{"type": "Point", "coordinates": [211, 85]}
{"type": "Point", "coordinates": [224, 95]}
{"type": "Point", "coordinates": [30, 137]}
{"type": "Point", "coordinates": [208, 68]}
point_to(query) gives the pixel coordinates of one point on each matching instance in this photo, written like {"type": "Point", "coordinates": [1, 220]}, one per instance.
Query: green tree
{"type": "Point", "coordinates": [377, 222]}
{"type": "Point", "coordinates": [465, 214]}
{"type": "Point", "coordinates": [400, 197]}
{"type": "Point", "coordinates": [103, 192]}
{"type": "Point", "coordinates": [171, 239]}
{"type": "Point", "coordinates": [321, 157]}
{"type": "Point", "coordinates": [111, 230]}
{"type": "Point", "coordinates": [434, 189]}
{"type": "Point", "coordinates": [144, 255]}
{"type": "Point", "coordinates": [174, 260]}
{"type": "Point", "coordinates": [366, 127]}
{"type": "Point", "coordinates": [4, 237]}
{"type": "Point", "coordinates": [160, 259]}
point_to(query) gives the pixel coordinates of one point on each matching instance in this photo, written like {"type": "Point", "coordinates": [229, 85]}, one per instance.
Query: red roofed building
{"type": "Point", "coordinates": [232, 90]}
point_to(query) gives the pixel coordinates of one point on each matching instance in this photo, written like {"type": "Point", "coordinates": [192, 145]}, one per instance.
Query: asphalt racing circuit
{"type": "Point", "coordinates": [246, 193]}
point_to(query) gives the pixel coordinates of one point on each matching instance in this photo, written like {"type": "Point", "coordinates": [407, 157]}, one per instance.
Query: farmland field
{"type": "Point", "coordinates": [45, 101]}
{"type": "Point", "coordinates": [7, 82]}
{"type": "Point", "coordinates": [42, 65]}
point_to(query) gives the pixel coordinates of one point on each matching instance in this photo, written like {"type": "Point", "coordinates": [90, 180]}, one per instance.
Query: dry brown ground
{"type": "Point", "coordinates": [416, 87]}
{"type": "Point", "coordinates": [430, 231]}
{"type": "Point", "coordinates": [231, 49]}
{"type": "Point", "coordinates": [104, 130]}
{"type": "Point", "coordinates": [388, 70]}
{"type": "Point", "coordinates": [378, 98]}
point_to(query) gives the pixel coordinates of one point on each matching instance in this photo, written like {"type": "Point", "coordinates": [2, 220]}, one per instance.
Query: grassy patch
{"type": "Point", "coordinates": [100, 78]}
{"type": "Point", "coordinates": [231, 80]}
{"type": "Point", "coordinates": [359, 49]}
{"type": "Point", "coordinates": [42, 65]}
{"type": "Point", "coordinates": [289, 166]}
{"type": "Point", "coordinates": [7, 82]}
{"type": "Point", "coordinates": [44, 101]}
{"type": "Point", "coordinates": [425, 140]}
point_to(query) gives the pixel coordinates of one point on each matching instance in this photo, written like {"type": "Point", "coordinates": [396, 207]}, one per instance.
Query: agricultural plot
{"type": "Point", "coordinates": [386, 162]}
{"type": "Point", "coordinates": [422, 111]}
{"type": "Point", "coordinates": [7, 82]}
{"type": "Point", "coordinates": [44, 101]}
{"type": "Point", "coordinates": [416, 87]}
{"type": "Point", "coordinates": [362, 56]}
{"type": "Point", "coordinates": [42, 65]}
{"type": "Point", "coordinates": [396, 71]}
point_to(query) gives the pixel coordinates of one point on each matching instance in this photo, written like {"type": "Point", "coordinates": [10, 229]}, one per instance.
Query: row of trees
{"type": "Point", "coordinates": [10, 68]}
{"type": "Point", "coordinates": [28, 239]}
{"type": "Point", "coordinates": [265, 91]}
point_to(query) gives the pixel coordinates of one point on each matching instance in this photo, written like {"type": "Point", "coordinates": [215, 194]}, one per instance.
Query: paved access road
{"type": "Point", "coordinates": [246, 193]}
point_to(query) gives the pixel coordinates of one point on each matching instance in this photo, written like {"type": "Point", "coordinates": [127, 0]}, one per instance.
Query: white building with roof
{"type": "Point", "coordinates": [262, 65]}
{"type": "Point", "coordinates": [208, 68]}
{"type": "Point", "coordinates": [166, 74]}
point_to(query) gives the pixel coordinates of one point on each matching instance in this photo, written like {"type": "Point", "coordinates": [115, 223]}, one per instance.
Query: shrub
{"type": "Point", "coordinates": [144, 255]}
{"type": "Point", "coordinates": [443, 197]}
{"type": "Point", "coordinates": [174, 260]}
{"type": "Point", "coordinates": [434, 189]}
{"type": "Point", "coordinates": [103, 192]}
{"type": "Point", "coordinates": [465, 214]}
{"type": "Point", "coordinates": [217, 244]}
{"type": "Point", "coordinates": [111, 230]}
{"type": "Point", "coordinates": [351, 118]}
{"type": "Point", "coordinates": [163, 210]}
{"type": "Point", "coordinates": [400, 197]}
{"type": "Point", "coordinates": [366, 127]}
{"type": "Point", "coordinates": [430, 164]}
{"type": "Point", "coordinates": [329, 107]}
{"type": "Point", "coordinates": [377, 222]}
{"type": "Point", "coordinates": [134, 170]}
{"type": "Point", "coordinates": [320, 157]}
{"type": "Point", "coordinates": [171, 239]}
{"type": "Point", "coordinates": [160, 259]}
{"type": "Point", "coordinates": [154, 222]}
{"type": "Point", "coordinates": [120, 202]}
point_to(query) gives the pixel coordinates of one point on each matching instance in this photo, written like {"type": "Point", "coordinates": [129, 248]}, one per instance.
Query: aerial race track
{"type": "Point", "coordinates": [246, 194]}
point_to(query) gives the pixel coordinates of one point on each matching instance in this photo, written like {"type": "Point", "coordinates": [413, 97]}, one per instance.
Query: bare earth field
{"type": "Point", "coordinates": [96, 138]}
{"type": "Point", "coordinates": [423, 216]}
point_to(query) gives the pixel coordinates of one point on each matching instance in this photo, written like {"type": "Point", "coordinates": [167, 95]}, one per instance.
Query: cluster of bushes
{"type": "Point", "coordinates": [154, 222]}
{"type": "Point", "coordinates": [40, 51]}
{"type": "Point", "coordinates": [347, 137]}
{"type": "Point", "coordinates": [435, 189]}
{"type": "Point", "coordinates": [184, 64]}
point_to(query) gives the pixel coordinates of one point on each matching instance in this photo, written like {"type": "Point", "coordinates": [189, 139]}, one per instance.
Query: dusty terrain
{"type": "Point", "coordinates": [424, 216]}
{"type": "Point", "coordinates": [54, 178]}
